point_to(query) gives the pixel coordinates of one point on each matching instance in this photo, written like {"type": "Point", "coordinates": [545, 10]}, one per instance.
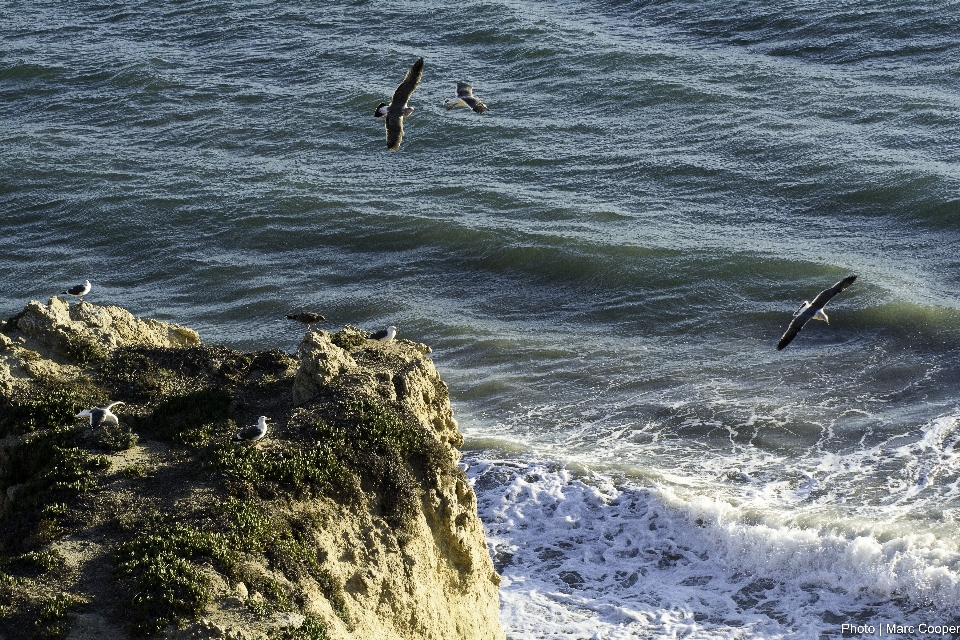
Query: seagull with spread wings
{"type": "Point", "coordinates": [394, 112]}
{"type": "Point", "coordinates": [101, 414]}
{"type": "Point", "coordinates": [465, 98]}
{"type": "Point", "coordinates": [813, 311]}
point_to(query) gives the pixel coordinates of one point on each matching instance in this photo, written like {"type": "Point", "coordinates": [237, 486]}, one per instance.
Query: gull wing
{"type": "Point", "coordinates": [250, 433]}
{"type": "Point", "coordinates": [394, 125]}
{"type": "Point", "coordinates": [410, 82]}
{"type": "Point", "coordinates": [794, 328]}
{"type": "Point", "coordinates": [464, 90]}
{"type": "Point", "coordinates": [827, 294]}
{"type": "Point", "coordinates": [476, 104]}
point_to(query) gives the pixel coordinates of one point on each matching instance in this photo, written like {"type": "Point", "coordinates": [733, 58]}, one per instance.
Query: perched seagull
{"type": "Point", "coordinates": [80, 290]}
{"type": "Point", "coordinates": [813, 311]}
{"type": "Point", "coordinates": [465, 98]}
{"type": "Point", "coordinates": [386, 335]}
{"type": "Point", "coordinates": [397, 109]}
{"type": "Point", "coordinates": [100, 414]}
{"type": "Point", "coordinates": [253, 433]}
{"type": "Point", "coordinates": [308, 318]}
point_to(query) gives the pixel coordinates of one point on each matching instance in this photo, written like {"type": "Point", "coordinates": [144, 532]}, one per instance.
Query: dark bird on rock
{"type": "Point", "coordinates": [308, 318]}
{"type": "Point", "coordinates": [813, 311]}
{"type": "Point", "coordinates": [465, 98]}
{"type": "Point", "coordinates": [79, 291]}
{"type": "Point", "coordinates": [101, 414]}
{"type": "Point", "coordinates": [397, 109]}
{"type": "Point", "coordinates": [254, 432]}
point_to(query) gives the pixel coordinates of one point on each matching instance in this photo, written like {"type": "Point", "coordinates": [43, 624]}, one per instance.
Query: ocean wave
{"type": "Point", "coordinates": [583, 556]}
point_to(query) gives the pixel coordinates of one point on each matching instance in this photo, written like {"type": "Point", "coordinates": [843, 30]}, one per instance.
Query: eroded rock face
{"type": "Point", "coordinates": [398, 372]}
{"type": "Point", "coordinates": [436, 581]}
{"type": "Point", "coordinates": [58, 339]}
{"type": "Point", "coordinates": [441, 584]}
{"type": "Point", "coordinates": [321, 362]}
{"type": "Point", "coordinates": [67, 329]}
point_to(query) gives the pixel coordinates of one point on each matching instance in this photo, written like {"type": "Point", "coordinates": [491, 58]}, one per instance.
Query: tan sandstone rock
{"type": "Point", "coordinates": [441, 584]}
{"type": "Point", "coordinates": [63, 328]}
{"type": "Point", "coordinates": [433, 581]}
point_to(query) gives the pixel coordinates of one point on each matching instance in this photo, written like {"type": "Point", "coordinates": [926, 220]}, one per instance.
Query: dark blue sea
{"type": "Point", "coordinates": [603, 264]}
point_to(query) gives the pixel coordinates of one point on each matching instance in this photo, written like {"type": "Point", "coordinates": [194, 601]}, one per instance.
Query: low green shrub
{"type": "Point", "coordinates": [311, 629]}
{"type": "Point", "coordinates": [46, 468]}
{"type": "Point", "coordinates": [191, 418]}
{"type": "Point", "coordinates": [45, 404]}
{"type": "Point", "coordinates": [51, 621]}
{"type": "Point", "coordinates": [167, 585]}
{"type": "Point", "coordinates": [44, 561]}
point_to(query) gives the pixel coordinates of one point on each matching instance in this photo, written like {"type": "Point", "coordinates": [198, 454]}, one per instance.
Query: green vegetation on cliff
{"type": "Point", "coordinates": [355, 449]}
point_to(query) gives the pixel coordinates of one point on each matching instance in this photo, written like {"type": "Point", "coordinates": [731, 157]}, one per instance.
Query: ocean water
{"type": "Point", "coordinates": [603, 264]}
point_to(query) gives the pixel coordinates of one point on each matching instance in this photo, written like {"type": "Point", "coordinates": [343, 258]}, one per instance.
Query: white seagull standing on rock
{"type": "Point", "coordinates": [397, 109]}
{"type": "Point", "coordinates": [465, 98]}
{"type": "Point", "coordinates": [80, 290]}
{"type": "Point", "coordinates": [386, 335]}
{"type": "Point", "coordinates": [253, 433]}
{"type": "Point", "coordinates": [813, 311]}
{"type": "Point", "coordinates": [101, 414]}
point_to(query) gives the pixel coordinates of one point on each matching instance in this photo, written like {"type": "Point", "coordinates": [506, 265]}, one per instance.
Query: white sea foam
{"type": "Point", "coordinates": [587, 557]}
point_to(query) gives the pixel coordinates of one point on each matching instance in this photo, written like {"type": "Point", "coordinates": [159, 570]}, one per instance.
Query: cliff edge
{"type": "Point", "coordinates": [350, 519]}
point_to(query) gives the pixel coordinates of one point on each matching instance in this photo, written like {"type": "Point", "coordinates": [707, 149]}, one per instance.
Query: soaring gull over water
{"type": "Point", "coordinates": [80, 290]}
{"type": "Point", "coordinates": [308, 318]}
{"type": "Point", "coordinates": [465, 98]}
{"type": "Point", "coordinates": [397, 109]}
{"type": "Point", "coordinates": [253, 433]}
{"type": "Point", "coordinates": [101, 414]}
{"type": "Point", "coordinates": [813, 311]}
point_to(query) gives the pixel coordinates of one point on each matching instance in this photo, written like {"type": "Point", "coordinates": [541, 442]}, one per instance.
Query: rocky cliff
{"type": "Point", "coordinates": [350, 519]}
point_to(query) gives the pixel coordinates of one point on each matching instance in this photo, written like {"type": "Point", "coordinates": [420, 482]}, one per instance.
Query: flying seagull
{"type": "Point", "coordinates": [385, 335]}
{"type": "Point", "coordinates": [253, 433]}
{"type": "Point", "coordinates": [80, 290]}
{"type": "Point", "coordinates": [308, 318]}
{"type": "Point", "coordinates": [397, 109]}
{"type": "Point", "coordinates": [465, 98]}
{"type": "Point", "coordinates": [100, 414]}
{"type": "Point", "coordinates": [813, 311]}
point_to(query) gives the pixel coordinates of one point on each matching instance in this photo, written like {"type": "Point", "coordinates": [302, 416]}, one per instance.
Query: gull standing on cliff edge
{"type": "Point", "coordinates": [385, 335]}
{"type": "Point", "coordinates": [79, 291]}
{"type": "Point", "coordinates": [308, 318]}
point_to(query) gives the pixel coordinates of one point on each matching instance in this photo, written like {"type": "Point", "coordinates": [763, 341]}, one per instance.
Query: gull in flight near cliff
{"type": "Point", "coordinates": [397, 109]}
{"type": "Point", "coordinates": [386, 335]}
{"type": "Point", "coordinates": [813, 311]}
{"type": "Point", "coordinates": [101, 414]}
{"type": "Point", "coordinates": [253, 433]}
{"type": "Point", "coordinates": [79, 291]}
{"type": "Point", "coordinates": [465, 98]}
{"type": "Point", "coordinates": [308, 318]}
